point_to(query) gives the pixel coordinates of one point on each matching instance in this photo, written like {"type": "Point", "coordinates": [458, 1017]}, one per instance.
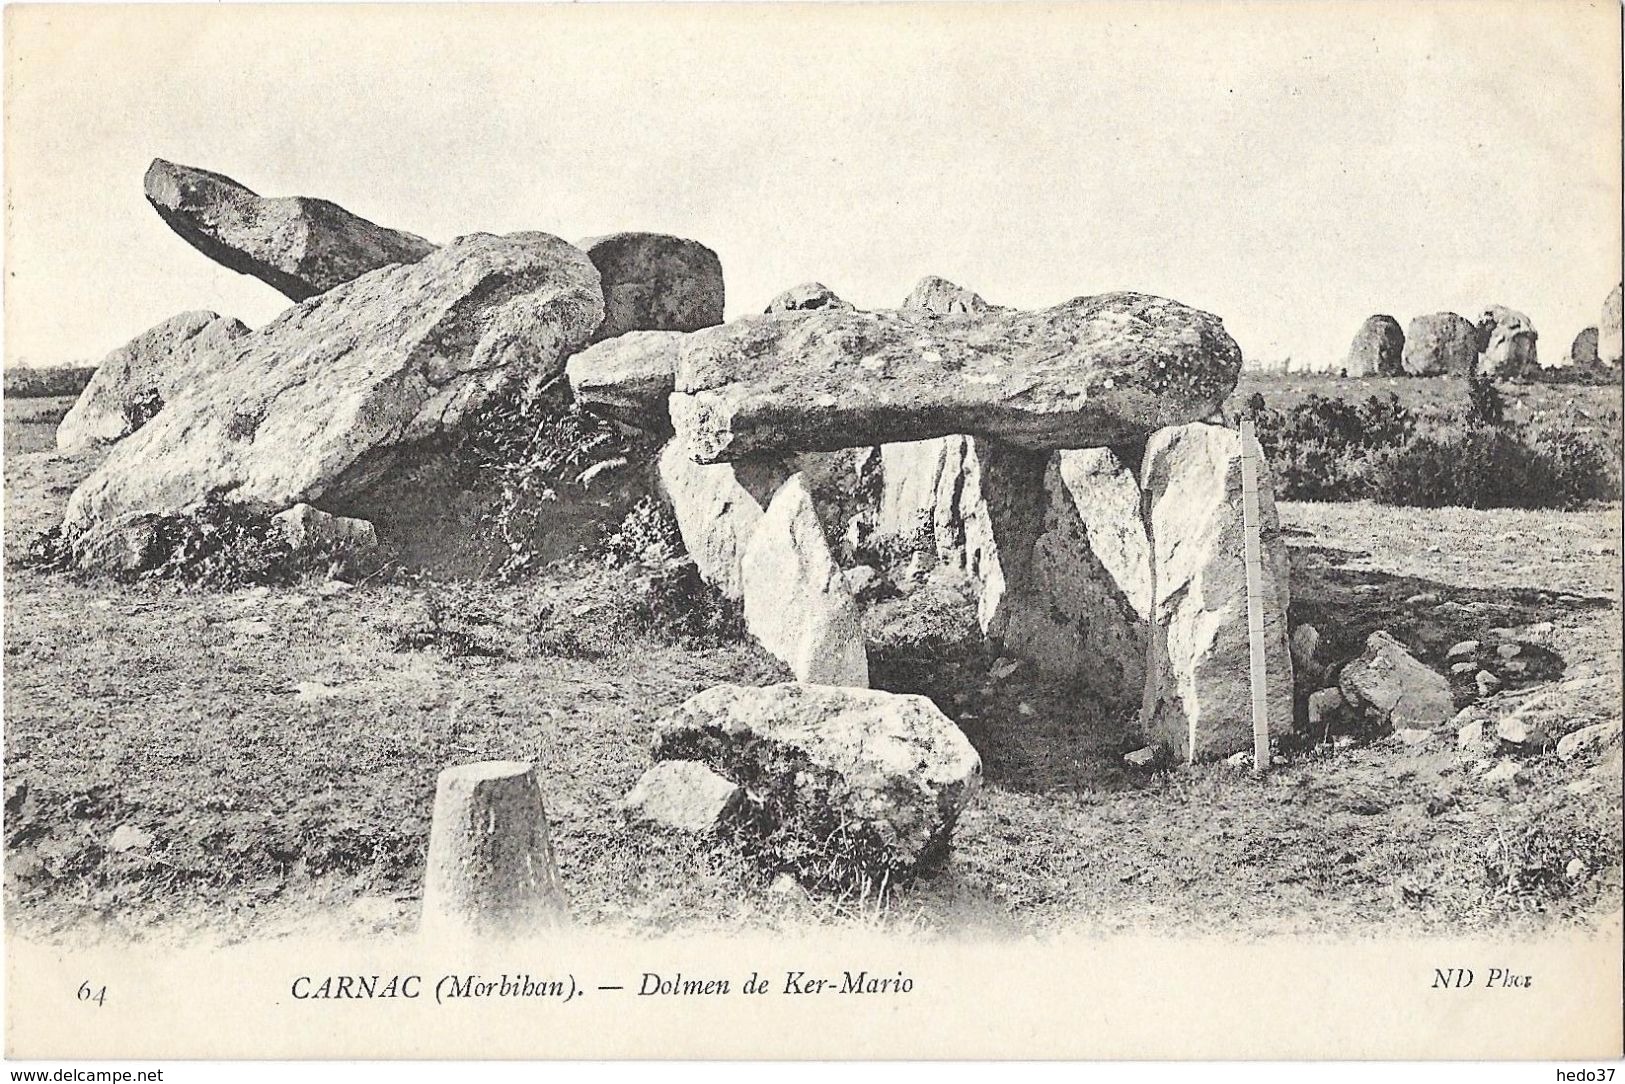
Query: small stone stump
{"type": "Point", "coordinates": [490, 871]}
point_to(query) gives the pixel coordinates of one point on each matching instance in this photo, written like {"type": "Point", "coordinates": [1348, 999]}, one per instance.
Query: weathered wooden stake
{"type": "Point", "coordinates": [491, 871]}
{"type": "Point", "coordinates": [1252, 552]}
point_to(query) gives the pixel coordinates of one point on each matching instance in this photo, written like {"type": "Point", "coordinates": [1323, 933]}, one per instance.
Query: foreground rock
{"type": "Point", "coordinates": [682, 794]}
{"type": "Point", "coordinates": [1609, 339]}
{"type": "Point", "coordinates": [1391, 686]}
{"type": "Point", "coordinates": [1441, 343]}
{"type": "Point", "coordinates": [628, 378]}
{"type": "Point", "coordinates": [1095, 371]}
{"type": "Point", "coordinates": [871, 779]}
{"type": "Point", "coordinates": [796, 600]}
{"type": "Point", "coordinates": [1198, 697]}
{"type": "Point", "coordinates": [316, 404]}
{"type": "Point", "coordinates": [305, 528]}
{"type": "Point", "coordinates": [655, 282]}
{"type": "Point", "coordinates": [808, 297]}
{"type": "Point", "coordinates": [135, 381]}
{"type": "Point", "coordinates": [943, 298]}
{"type": "Point", "coordinates": [1378, 349]}
{"type": "Point", "coordinates": [1508, 341]}
{"type": "Point", "coordinates": [299, 245]}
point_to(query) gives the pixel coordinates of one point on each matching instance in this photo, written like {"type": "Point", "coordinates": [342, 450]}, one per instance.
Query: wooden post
{"type": "Point", "coordinates": [1255, 591]}
{"type": "Point", "coordinates": [490, 871]}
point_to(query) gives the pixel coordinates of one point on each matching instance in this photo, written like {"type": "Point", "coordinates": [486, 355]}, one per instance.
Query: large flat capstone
{"type": "Point", "coordinates": [1094, 371]}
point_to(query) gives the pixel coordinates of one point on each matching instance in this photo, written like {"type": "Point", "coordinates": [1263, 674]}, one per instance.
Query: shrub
{"type": "Point", "coordinates": [1485, 406]}
{"type": "Point", "coordinates": [533, 445]}
{"type": "Point", "coordinates": [1481, 466]}
{"type": "Point", "coordinates": [669, 597]}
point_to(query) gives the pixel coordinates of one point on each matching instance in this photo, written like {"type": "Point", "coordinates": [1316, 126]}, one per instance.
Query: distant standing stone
{"type": "Point", "coordinates": [937, 295]}
{"type": "Point", "coordinates": [1378, 349]}
{"type": "Point", "coordinates": [1608, 331]}
{"type": "Point", "coordinates": [1583, 352]}
{"type": "Point", "coordinates": [1507, 339]}
{"type": "Point", "coordinates": [808, 297]}
{"type": "Point", "coordinates": [655, 282]}
{"type": "Point", "coordinates": [490, 870]}
{"type": "Point", "coordinates": [1440, 343]}
{"type": "Point", "coordinates": [299, 245]}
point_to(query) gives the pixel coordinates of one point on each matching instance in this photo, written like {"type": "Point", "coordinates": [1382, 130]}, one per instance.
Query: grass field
{"type": "Point", "coordinates": [223, 765]}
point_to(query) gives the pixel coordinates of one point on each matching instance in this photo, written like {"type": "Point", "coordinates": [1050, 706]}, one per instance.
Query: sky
{"type": "Point", "coordinates": [1291, 167]}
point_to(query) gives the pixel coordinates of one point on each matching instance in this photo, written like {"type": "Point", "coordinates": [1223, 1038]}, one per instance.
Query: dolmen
{"type": "Point", "coordinates": [1058, 457]}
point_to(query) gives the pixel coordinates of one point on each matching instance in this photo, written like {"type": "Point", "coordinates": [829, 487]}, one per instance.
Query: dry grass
{"type": "Point", "coordinates": [280, 752]}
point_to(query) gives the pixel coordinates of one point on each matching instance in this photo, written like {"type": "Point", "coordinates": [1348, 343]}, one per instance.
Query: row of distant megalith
{"type": "Point", "coordinates": [1057, 463]}
{"type": "Point", "coordinates": [1502, 344]}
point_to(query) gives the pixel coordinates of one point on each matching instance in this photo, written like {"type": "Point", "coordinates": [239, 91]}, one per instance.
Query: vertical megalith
{"type": "Point", "coordinates": [490, 870]}
{"type": "Point", "coordinates": [796, 600]}
{"type": "Point", "coordinates": [1198, 694]}
{"type": "Point", "coordinates": [1085, 613]}
{"type": "Point", "coordinates": [1001, 527]}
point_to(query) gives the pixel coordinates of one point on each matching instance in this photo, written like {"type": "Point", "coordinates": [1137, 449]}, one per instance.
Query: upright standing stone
{"type": "Point", "coordinates": [1198, 695]}
{"type": "Point", "coordinates": [1507, 340]}
{"type": "Point", "coordinates": [490, 870]}
{"type": "Point", "coordinates": [1609, 340]}
{"type": "Point", "coordinates": [135, 381]}
{"type": "Point", "coordinates": [300, 246]}
{"type": "Point", "coordinates": [1583, 352]}
{"type": "Point", "coordinates": [796, 600]}
{"type": "Point", "coordinates": [717, 508]}
{"type": "Point", "coordinates": [1084, 613]}
{"type": "Point", "coordinates": [1378, 349]}
{"type": "Point", "coordinates": [1441, 343]}
{"type": "Point", "coordinates": [655, 282]}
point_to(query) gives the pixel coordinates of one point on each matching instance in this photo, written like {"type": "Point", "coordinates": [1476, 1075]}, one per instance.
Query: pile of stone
{"type": "Point", "coordinates": [395, 343]}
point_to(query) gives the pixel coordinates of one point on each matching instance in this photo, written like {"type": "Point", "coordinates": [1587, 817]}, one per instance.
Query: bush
{"type": "Point", "coordinates": [1482, 466]}
{"type": "Point", "coordinates": [669, 597]}
{"type": "Point", "coordinates": [1333, 450]}
{"type": "Point", "coordinates": [534, 445]}
{"type": "Point", "coordinates": [218, 545]}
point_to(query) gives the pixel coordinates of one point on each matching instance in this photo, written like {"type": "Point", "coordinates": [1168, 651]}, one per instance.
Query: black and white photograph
{"type": "Point", "coordinates": [813, 531]}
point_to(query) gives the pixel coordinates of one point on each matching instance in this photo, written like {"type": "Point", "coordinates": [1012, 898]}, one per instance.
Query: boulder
{"type": "Point", "coordinates": [306, 527]}
{"type": "Point", "coordinates": [886, 774]}
{"type": "Point", "coordinates": [129, 544]}
{"type": "Point", "coordinates": [628, 378]}
{"type": "Point", "coordinates": [316, 404]}
{"type": "Point", "coordinates": [1588, 738]}
{"type": "Point", "coordinates": [1198, 698]}
{"type": "Point", "coordinates": [808, 297]}
{"type": "Point", "coordinates": [1608, 331]}
{"type": "Point", "coordinates": [1387, 682]}
{"type": "Point", "coordinates": [1378, 349]}
{"type": "Point", "coordinates": [1092, 372]}
{"type": "Point", "coordinates": [298, 245]}
{"type": "Point", "coordinates": [682, 794]}
{"type": "Point", "coordinates": [943, 298]}
{"type": "Point", "coordinates": [133, 382]}
{"type": "Point", "coordinates": [1440, 343]}
{"type": "Point", "coordinates": [1083, 610]}
{"type": "Point", "coordinates": [796, 601]}
{"type": "Point", "coordinates": [1507, 341]}
{"type": "Point", "coordinates": [655, 282]}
